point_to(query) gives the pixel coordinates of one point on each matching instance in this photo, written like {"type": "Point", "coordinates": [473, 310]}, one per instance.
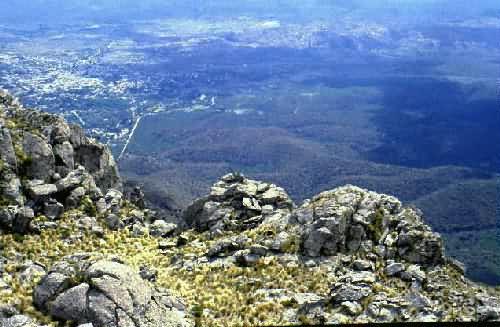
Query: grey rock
{"type": "Point", "coordinates": [161, 228]}
{"type": "Point", "coordinates": [7, 153]}
{"type": "Point", "coordinates": [148, 273]}
{"type": "Point", "coordinates": [63, 153]}
{"type": "Point", "coordinates": [281, 242]}
{"type": "Point", "coordinates": [267, 209]}
{"type": "Point", "coordinates": [226, 247]}
{"type": "Point", "coordinates": [165, 245]}
{"type": "Point", "coordinates": [349, 219]}
{"type": "Point", "coordinates": [315, 241]}
{"type": "Point", "coordinates": [104, 293]}
{"type": "Point", "coordinates": [8, 215]}
{"type": "Point", "coordinates": [99, 162]}
{"type": "Point", "coordinates": [236, 203]}
{"type": "Point", "coordinates": [53, 209]}
{"type": "Point", "coordinates": [246, 258]}
{"type": "Point", "coordinates": [304, 298]}
{"type": "Point", "coordinates": [419, 301]}
{"type": "Point", "coordinates": [356, 236]}
{"type": "Point", "coordinates": [22, 220]}
{"type": "Point", "coordinates": [342, 292]}
{"type": "Point", "coordinates": [303, 215]}
{"type": "Point", "coordinates": [41, 158]}
{"type": "Point", "coordinates": [30, 271]}
{"type": "Point", "coordinates": [48, 288]}
{"type": "Point", "coordinates": [413, 272]}
{"type": "Point", "coordinates": [393, 268]}
{"type": "Point", "coordinates": [60, 133]}
{"type": "Point", "coordinates": [488, 308]}
{"type": "Point", "coordinates": [113, 200]}
{"type": "Point", "coordinates": [258, 249]}
{"type": "Point", "coordinates": [139, 230]}
{"type": "Point", "coordinates": [10, 187]}
{"type": "Point", "coordinates": [113, 222]}
{"type": "Point", "coordinates": [77, 136]}
{"type": "Point", "coordinates": [75, 197]}
{"type": "Point", "coordinates": [360, 277]}
{"type": "Point", "coordinates": [73, 180]}
{"type": "Point", "coordinates": [18, 321]}
{"type": "Point", "coordinates": [137, 197]}
{"type": "Point", "coordinates": [352, 308]}
{"type": "Point", "coordinates": [71, 304]}
{"type": "Point", "coordinates": [362, 265]}
{"type": "Point", "coordinates": [37, 190]}
{"type": "Point", "coordinates": [4, 287]}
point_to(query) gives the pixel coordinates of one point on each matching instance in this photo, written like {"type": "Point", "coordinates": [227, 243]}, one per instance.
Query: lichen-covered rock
{"type": "Point", "coordinates": [238, 203]}
{"type": "Point", "coordinates": [105, 293]}
{"type": "Point", "coordinates": [46, 163]}
{"type": "Point", "coordinates": [350, 219]}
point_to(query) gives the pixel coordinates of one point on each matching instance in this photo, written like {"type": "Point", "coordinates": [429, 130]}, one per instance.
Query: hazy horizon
{"type": "Point", "coordinates": [65, 12]}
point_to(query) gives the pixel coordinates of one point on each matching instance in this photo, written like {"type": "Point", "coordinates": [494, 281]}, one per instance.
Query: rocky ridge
{"type": "Point", "coordinates": [76, 250]}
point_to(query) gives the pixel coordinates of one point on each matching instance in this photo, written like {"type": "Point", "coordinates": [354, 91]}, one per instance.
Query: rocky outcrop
{"type": "Point", "coordinates": [106, 293]}
{"type": "Point", "coordinates": [347, 255]}
{"type": "Point", "coordinates": [353, 220]}
{"type": "Point", "coordinates": [47, 163]}
{"type": "Point", "coordinates": [238, 203]}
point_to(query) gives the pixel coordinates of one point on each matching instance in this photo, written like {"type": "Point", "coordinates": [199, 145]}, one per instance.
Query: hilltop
{"type": "Point", "coordinates": [78, 250]}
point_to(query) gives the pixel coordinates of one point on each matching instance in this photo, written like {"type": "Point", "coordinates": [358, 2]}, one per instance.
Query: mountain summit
{"type": "Point", "coordinates": [78, 251]}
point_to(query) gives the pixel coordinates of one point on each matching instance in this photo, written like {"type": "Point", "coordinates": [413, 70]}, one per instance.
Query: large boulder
{"type": "Point", "coordinates": [99, 162]}
{"type": "Point", "coordinates": [64, 155]}
{"type": "Point", "coordinates": [238, 203]}
{"type": "Point", "coordinates": [39, 162]}
{"type": "Point", "coordinates": [350, 219]}
{"type": "Point", "coordinates": [105, 293]}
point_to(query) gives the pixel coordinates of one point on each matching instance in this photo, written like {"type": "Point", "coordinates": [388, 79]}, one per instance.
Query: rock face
{"type": "Point", "coordinates": [47, 161]}
{"type": "Point", "coordinates": [105, 293]}
{"type": "Point", "coordinates": [352, 220]}
{"type": "Point", "coordinates": [237, 203]}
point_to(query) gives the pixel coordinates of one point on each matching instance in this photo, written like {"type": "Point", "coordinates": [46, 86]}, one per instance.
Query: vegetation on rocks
{"type": "Point", "coordinates": [248, 256]}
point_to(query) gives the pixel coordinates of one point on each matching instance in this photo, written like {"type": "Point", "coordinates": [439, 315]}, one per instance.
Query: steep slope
{"type": "Point", "coordinates": [77, 251]}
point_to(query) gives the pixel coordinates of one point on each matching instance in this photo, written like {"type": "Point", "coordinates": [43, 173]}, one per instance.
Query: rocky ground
{"type": "Point", "coordinates": [77, 251]}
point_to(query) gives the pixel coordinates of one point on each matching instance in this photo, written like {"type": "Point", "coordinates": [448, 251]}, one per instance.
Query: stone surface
{"type": "Point", "coordinates": [393, 268]}
{"type": "Point", "coordinates": [161, 228]}
{"type": "Point", "coordinates": [351, 219]}
{"type": "Point", "coordinates": [40, 162]}
{"type": "Point", "coordinates": [104, 293]}
{"type": "Point", "coordinates": [235, 203]}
